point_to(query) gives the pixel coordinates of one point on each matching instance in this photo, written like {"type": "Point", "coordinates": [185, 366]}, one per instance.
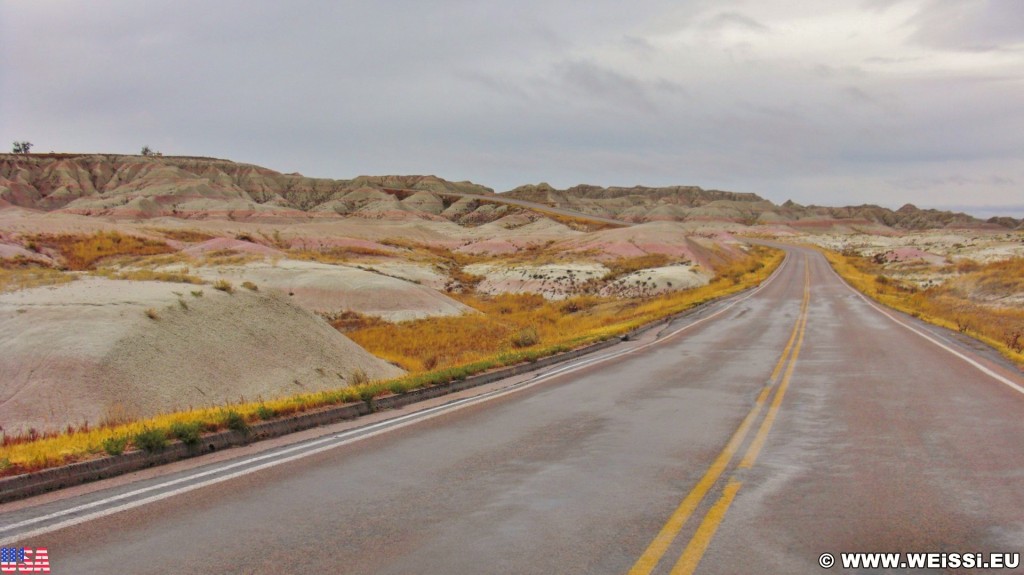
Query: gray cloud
{"type": "Point", "coordinates": [733, 20]}
{"type": "Point", "coordinates": [746, 96]}
{"type": "Point", "coordinates": [970, 24]}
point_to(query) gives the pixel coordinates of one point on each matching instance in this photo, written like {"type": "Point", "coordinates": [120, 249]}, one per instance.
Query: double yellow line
{"type": "Point", "coordinates": [698, 544]}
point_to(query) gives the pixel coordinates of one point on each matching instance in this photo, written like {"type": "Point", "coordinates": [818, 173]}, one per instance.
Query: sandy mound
{"type": "Point", "coordinates": [655, 281]}
{"type": "Point", "coordinates": [81, 351]}
{"type": "Point", "coordinates": [553, 281]}
{"type": "Point", "coordinates": [332, 289]}
{"type": "Point", "coordinates": [228, 244]}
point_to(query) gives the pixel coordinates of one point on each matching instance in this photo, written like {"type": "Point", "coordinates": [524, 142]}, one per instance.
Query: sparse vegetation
{"type": "Point", "coordinates": [950, 305]}
{"type": "Point", "coordinates": [224, 286]}
{"type": "Point", "coordinates": [358, 377]}
{"type": "Point", "coordinates": [187, 236]}
{"type": "Point", "coordinates": [146, 275]}
{"type": "Point", "coordinates": [338, 254]}
{"type": "Point", "coordinates": [31, 276]}
{"type": "Point", "coordinates": [250, 286]}
{"type": "Point", "coordinates": [348, 320]}
{"type": "Point", "coordinates": [624, 266]}
{"type": "Point", "coordinates": [151, 313]}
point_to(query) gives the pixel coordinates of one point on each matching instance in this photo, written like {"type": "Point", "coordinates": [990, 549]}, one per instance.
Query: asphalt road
{"type": "Point", "coordinates": [770, 429]}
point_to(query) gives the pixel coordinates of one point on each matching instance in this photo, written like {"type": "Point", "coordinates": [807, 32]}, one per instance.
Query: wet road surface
{"type": "Point", "coordinates": [799, 420]}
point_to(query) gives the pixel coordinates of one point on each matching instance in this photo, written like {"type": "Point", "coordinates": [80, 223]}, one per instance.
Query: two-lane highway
{"type": "Point", "coordinates": [797, 421]}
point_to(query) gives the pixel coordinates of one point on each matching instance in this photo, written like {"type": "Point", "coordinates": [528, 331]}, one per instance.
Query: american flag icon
{"type": "Point", "coordinates": [12, 555]}
{"type": "Point", "coordinates": [24, 560]}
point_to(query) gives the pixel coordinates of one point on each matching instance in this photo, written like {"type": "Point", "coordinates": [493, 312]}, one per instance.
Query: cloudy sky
{"type": "Point", "coordinates": [819, 101]}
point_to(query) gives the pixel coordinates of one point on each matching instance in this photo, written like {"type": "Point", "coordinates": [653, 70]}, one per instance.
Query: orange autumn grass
{"type": "Point", "coordinates": [434, 351]}
{"type": "Point", "coordinates": [81, 252]}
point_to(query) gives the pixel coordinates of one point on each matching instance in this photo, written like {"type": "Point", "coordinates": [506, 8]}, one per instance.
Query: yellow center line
{"type": "Point", "coordinates": [694, 552]}
{"type": "Point", "coordinates": [698, 545]}
{"type": "Point", "coordinates": [792, 336]}
{"type": "Point", "coordinates": [762, 433]}
{"type": "Point", "coordinates": [654, 552]}
{"type": "Point", "coordinates": [657, 548]}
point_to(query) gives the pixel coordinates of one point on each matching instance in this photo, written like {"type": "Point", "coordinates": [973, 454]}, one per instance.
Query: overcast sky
{"type": "Point", "coordinates": [820, 101]}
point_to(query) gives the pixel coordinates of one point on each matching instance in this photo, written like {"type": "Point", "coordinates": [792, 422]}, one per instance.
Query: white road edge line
{"type": "Point", "coordinates": [359, 434]}
{"type": "Point", "coordinates": [928, 337]}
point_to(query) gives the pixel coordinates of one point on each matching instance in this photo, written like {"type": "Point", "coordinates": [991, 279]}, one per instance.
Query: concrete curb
{"type": "Point", "coordinates": [38, 482]}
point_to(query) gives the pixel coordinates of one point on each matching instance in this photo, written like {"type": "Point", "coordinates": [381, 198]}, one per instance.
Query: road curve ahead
{"type": "Point", "coordinates": [798, 421]}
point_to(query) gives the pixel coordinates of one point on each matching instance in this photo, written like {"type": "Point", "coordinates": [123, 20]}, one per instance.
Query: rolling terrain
{"type": "Point", "coordinates": [753, 436]}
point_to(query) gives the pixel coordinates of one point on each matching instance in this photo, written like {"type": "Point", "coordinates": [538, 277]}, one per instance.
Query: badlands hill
{"type": "Point", "coordinates": [689, 203]}
{"type": "Point", "coordinates": [187, 187]}
{"type": "Point", "coordinates": [125, 186]}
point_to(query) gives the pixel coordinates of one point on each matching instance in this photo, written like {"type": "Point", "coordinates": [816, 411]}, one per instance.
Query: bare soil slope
{"type": "Point", "coordinates": [333, 289]}
{"type": "Point", "coordinates": [85, 351]}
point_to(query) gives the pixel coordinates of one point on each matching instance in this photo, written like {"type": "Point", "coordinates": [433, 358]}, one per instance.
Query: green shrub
{"type": "Point", "coordinates": [115, 445]}
{"type": "Point", "coordinates": [235, 422]}
{"type": "Point", "coordinates": [150, 439]}
{"type": "Point", "coordinates": [265, 413]}
{"type": "Point", "coordinates": [189, 433]}
{"type": "Point", "coordinates": [368, 392]}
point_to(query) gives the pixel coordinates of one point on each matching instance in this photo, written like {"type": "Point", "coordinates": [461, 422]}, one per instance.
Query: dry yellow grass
{"type": "Point", "coordinates": [457, 348]}
{"type": "Point", "coordinates": [187, 236]}
{"type": "Point", "coordinates": [624, 266]}
{"type": "Point", "coordinates": [32, 276]}
{"type": "Point", "coordinates": [427, 344]}
{"type": "Point", "coordinates": [82, 252]}
{"type": "Point", "coordinates": [174, 276]}
{"type": "Point", "coordinates": [947, 306]}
